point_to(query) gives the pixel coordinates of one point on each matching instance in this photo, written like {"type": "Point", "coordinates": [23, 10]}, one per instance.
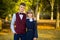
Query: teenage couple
{"type": "Point", "coordinates": [23, 25]}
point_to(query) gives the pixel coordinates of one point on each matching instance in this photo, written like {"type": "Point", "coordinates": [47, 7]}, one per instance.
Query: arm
{"type": "Point", "coordinates": [13, 22]}
{"type": "Point", "coordinates": [35, 30]}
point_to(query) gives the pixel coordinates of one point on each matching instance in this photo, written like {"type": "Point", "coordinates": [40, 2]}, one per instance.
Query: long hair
{"type": "Point", "coordinates": [30, 11]}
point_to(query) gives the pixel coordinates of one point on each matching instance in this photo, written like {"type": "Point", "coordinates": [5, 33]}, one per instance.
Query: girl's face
{"type": "Point", "coordinates": [30, 15]}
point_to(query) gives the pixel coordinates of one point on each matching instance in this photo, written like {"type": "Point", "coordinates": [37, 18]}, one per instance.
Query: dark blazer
{"type": "Point", "coordinates": [31, 29]}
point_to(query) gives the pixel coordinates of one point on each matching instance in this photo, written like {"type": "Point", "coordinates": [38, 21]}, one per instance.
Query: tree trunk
{"type": "Point", "coordinates": [52, 15]}
{"type": "Point", "coordinates": [57, 21]}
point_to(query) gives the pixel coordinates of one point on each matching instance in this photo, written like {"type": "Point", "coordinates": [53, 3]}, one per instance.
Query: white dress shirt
{"type": "Point", "coordinates": [13, 21]}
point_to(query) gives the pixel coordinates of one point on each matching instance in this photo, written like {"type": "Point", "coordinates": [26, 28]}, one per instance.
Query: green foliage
{"type": "Point", "coordinates": [6, 7]}
{"type": "Point", "coordinates": [11, 6]}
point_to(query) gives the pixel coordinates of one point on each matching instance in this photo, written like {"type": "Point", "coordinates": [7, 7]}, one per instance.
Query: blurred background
{"type": "Point", "coordinates": [47, 13]}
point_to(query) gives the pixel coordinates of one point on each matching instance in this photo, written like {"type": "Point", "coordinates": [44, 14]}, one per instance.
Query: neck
{"type": "Point", "coordinates": [21, 12]}
{"type": "Point", "coordinates": [30, 17]}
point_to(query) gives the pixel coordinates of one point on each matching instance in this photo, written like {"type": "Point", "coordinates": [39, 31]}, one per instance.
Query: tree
{"type": "Point", "coordinates": [6, 7]}
{"type": "Point", "coordinates": [57, 20]}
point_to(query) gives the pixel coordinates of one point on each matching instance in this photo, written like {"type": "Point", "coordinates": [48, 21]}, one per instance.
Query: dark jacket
{"type": "Point", "coordinates": [31, 28]}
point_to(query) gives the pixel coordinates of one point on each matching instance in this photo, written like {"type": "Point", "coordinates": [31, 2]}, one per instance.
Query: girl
{"type": "Point", "coordinates": [31, 26]}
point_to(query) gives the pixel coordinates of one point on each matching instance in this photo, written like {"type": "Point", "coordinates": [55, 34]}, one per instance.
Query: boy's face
{"type": "Point", "coordinates": [22, 8]}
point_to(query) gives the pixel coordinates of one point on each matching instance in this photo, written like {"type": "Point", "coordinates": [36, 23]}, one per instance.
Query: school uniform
{"type": "Point", "coordinates": [19, 19]}
{"type": "Point", "coordinates": [31, 29]}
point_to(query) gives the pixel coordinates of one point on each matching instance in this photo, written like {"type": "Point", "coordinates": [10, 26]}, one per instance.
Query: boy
{"type": "Point", "coordinates": [19, 19]}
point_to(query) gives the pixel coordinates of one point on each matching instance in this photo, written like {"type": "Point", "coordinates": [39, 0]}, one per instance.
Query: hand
{"type": "Point", "coordinates": [15, 33]}
{"type": "Point", "coordinates": [34, 38]}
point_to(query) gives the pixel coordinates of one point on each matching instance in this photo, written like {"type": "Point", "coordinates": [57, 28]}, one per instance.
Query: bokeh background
{"type": "Point", "coordinates": [47, 13]}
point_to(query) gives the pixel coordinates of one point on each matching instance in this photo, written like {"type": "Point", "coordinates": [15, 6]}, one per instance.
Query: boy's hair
{"type": "Point", "coordinates": [23, 4]}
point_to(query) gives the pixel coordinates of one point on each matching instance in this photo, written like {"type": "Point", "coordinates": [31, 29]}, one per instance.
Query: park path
{"type": "Point", "coordinates": [43, 34]}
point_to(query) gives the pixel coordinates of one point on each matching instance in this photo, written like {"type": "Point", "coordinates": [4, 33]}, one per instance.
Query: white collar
{"type": "Point", "coordinates": [30, 19]}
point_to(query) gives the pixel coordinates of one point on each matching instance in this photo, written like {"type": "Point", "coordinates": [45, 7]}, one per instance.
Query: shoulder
{"type": "Point", "coordinates": [14, 14]}
{"type": "Point", "coordinates": [24, 13]}
{"type": "Point", "coordinates": [35, 21]}
{"type": "Point", "coordinates": [27, 19]}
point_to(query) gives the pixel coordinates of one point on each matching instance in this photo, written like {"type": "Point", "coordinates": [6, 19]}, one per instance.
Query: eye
{"type": "Point", "coordinates": [21, 7]}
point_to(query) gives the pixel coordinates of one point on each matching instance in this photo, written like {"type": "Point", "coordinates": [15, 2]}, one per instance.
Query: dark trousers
{"type": "Point", "coordinates": [19, 36]}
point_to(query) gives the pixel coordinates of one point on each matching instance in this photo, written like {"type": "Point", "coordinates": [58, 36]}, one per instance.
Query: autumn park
{"type": "Point", "coordinates": [47, 13]}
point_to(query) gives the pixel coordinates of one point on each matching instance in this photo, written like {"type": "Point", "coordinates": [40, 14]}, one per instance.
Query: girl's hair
{"type": "Point", "coordinates": [30, 11]}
